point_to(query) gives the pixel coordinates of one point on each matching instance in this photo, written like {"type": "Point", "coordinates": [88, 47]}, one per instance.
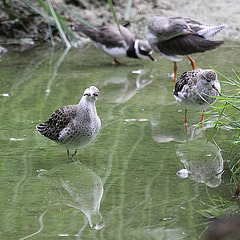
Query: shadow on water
{"type": "Point", "coordinates": [77, 186]}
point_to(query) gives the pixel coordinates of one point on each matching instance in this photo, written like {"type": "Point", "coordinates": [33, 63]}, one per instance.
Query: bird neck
{"type": "Point", "coordinates": [87, 104]}
{"type": "Point", "coordinates": [131, 52]}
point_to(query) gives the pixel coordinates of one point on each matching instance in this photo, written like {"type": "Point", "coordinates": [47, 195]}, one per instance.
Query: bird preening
{"type": "Point", "coordinates": [174, 36]}
{"type": "Point", "coordinates": [74, 126]}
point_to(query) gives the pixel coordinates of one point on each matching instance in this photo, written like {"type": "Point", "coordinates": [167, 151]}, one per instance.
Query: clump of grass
{"type": "Point", "coordinates": [229, 107]}
{"type": "Point", "coordinates": [228, 110]}
{"type": "Point", "coordinates": [218, 208]}
{"type": "Point", "coordinates": [59, 21]}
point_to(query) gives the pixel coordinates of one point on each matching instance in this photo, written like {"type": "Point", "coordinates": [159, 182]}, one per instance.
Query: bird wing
{"type": "Point", "coordinates": [187, 44]}
{"type": "Point", "coordinates": [112, 37]}
{"type": "Point", "coordinates": [108, 35]}
{"type": "Point", "coordinates": [57, 122]}
{"type": "Point", "coordinates": [180, 83]}
{"type": "Point", "coordinates": [205, 30]}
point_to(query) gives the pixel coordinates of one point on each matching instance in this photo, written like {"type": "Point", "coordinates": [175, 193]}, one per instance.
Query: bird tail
{"type": "Point", "coordinates": [209, 31]}
{"type": "Point", "coordinates": [88, 31]}
{"type": "Point", "coordinates": [42, 128]}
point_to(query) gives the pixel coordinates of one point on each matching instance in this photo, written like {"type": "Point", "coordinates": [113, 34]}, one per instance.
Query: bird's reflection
{"type": "Point", "coordinates": [122, 86]}
{"type": "Point", "coordinates": [77, 186]}
{"type": "Point", "coordinates": [202, 160]}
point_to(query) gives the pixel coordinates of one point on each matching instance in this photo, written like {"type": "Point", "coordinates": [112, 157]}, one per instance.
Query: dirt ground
{"type": "Point", "coordinates": [22, 25]}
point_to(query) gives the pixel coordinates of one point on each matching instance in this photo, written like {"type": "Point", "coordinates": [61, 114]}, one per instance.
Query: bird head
{"type": "Point", "coordinates": [180, 27]}
{"type": "Point", "coordinates": [91, 94]}
{"type": "Point", "coordinates": [210, 79]}
{"type": "Point", "coordinates": [143, 50]}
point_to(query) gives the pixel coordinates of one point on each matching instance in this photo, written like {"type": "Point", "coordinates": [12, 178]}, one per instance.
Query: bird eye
{"type": "Point", "coordinates": [209, 80]}
{"type": "Point", "coordinates": [87, 94]}
{"type": "Point", "coordinates": [95, 94]}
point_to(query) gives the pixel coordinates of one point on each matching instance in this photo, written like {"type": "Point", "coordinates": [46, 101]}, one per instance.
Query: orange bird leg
{"type": "Point", "coordinates": [116, 62]}
{"type": "Point", "coordinates": [175, 71]}
{"type": "Point", "coordinates": [185, 117]}
{"type": "Point", "coordinates": [202, 119]}
{"type": "Point", "coordinates": [192, 62]}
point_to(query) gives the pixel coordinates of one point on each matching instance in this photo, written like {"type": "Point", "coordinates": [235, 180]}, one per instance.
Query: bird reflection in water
{"type": "Point", "coordinates": [122, 86]}
{"type": "Point", "coordinates": [77, 186]}
{"type": "Point", "coordinates": [202, 160]}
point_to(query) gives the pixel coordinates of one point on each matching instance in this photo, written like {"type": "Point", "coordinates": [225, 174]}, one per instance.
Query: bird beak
{"type": "Point", "coordinates": [190, 30]}
{"type": "Point", "coordinates": [151, 57]}
{"type": "Point", "coordinates": [213, 86]}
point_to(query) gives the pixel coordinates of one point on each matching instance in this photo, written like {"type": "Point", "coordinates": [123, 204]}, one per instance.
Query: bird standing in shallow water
{"type": "Point", "coordinates": [117, 43]}
{"type": "Point", "coordinates": [197, 89]}
{"type": "Point", "coordinates": [175, 36]}
{"type": "Point", "coordinates": [74, 126]}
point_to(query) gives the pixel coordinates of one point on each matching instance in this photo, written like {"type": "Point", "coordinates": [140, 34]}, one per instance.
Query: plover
{"type": "Point", "coordinates": [197, 89]}
{"type": "Point", "coordinates": [117, 43]}
{"type": "Point", "coordinates": [175, 36]}
{"type": "Point", "coordinates": [74, 126]}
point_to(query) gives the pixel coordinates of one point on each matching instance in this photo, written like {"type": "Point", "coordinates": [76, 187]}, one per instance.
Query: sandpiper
{"type": "Point", "coordinates": [74, 126]}
{"type": "Point", "coordinates": [117, 42]}
{"type": "Point", "coordinates": [197, 89]}
{"type": "Point", "coordinates": [175, 36]}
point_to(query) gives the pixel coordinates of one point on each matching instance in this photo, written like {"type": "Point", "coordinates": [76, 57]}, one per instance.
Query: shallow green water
{"type": "Point", "coordinates": [125, 184]}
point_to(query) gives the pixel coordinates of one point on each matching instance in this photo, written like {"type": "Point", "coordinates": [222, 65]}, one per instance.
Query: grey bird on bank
{"type": "Point", "coordinates": [117, 43]}
{"type": "Point", "coordinates": [197, 89]}
{"type": "Point", "coordinates": [175, 36]}
{"type": "Point", "coordinates": [74, 126]}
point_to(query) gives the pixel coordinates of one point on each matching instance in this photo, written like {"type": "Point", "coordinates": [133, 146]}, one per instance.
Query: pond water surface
{"type": "Point", "coordinates": [124, 185]}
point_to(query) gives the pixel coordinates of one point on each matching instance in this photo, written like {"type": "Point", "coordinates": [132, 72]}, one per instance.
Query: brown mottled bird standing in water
{"type": "Point", "coordinates": [74, 126]}
{"type": "Point", "coordinates": [117, 43]}
{"type": "Point", "coordinates": [175, 36]}
{"type": "Point", "coordinates": [197, 89]}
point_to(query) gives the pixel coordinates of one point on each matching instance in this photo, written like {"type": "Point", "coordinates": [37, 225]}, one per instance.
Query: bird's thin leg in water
{"type": "Point", "coordinates": [185, 118]}
{"type": "Point", "coordinates": [202, 119]}
{"type": "Point", "coordinates": [175, 71]}
{"type": "Point", "coordinates": [192, 62]}
{"type": "Point", "coordinates": [116, 62]}
{"type": "Point", "coordinates": [68, 154]}
{"type": "Point", "coordinates": [75, 152]}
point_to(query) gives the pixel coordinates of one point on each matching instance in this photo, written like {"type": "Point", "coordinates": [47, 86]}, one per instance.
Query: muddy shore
{"type": "Point", "coordinates": [20, 24]}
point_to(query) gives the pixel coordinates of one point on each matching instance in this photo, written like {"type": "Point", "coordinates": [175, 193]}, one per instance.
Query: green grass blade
{"type": "Point", "coordinates": [114, 13]}
{"type": "Point", "coordinates": [59, 27]}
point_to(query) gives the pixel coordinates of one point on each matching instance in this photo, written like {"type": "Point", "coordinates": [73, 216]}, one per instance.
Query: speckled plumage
{"type": "Point", "coordinates": [74, 126]}
{"type": "Point", "coordinates": [197, 88]}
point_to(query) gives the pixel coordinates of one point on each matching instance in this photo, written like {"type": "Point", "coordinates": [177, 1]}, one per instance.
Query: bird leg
{"type": "Point", "coordinates": [116, 62]}
{"type": "Point", "coordinates": [202, 119]}
{"type": "Point", "coordinates": [175, 71]}
{"type": "Point", "coordinates": [75, 152]}
{"type": "Point", "coordinates": [71, 157]}
{"type": "Point", "coordinates": [192, 62]}
{"type": "Point", "coordinates": [185, 117]}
